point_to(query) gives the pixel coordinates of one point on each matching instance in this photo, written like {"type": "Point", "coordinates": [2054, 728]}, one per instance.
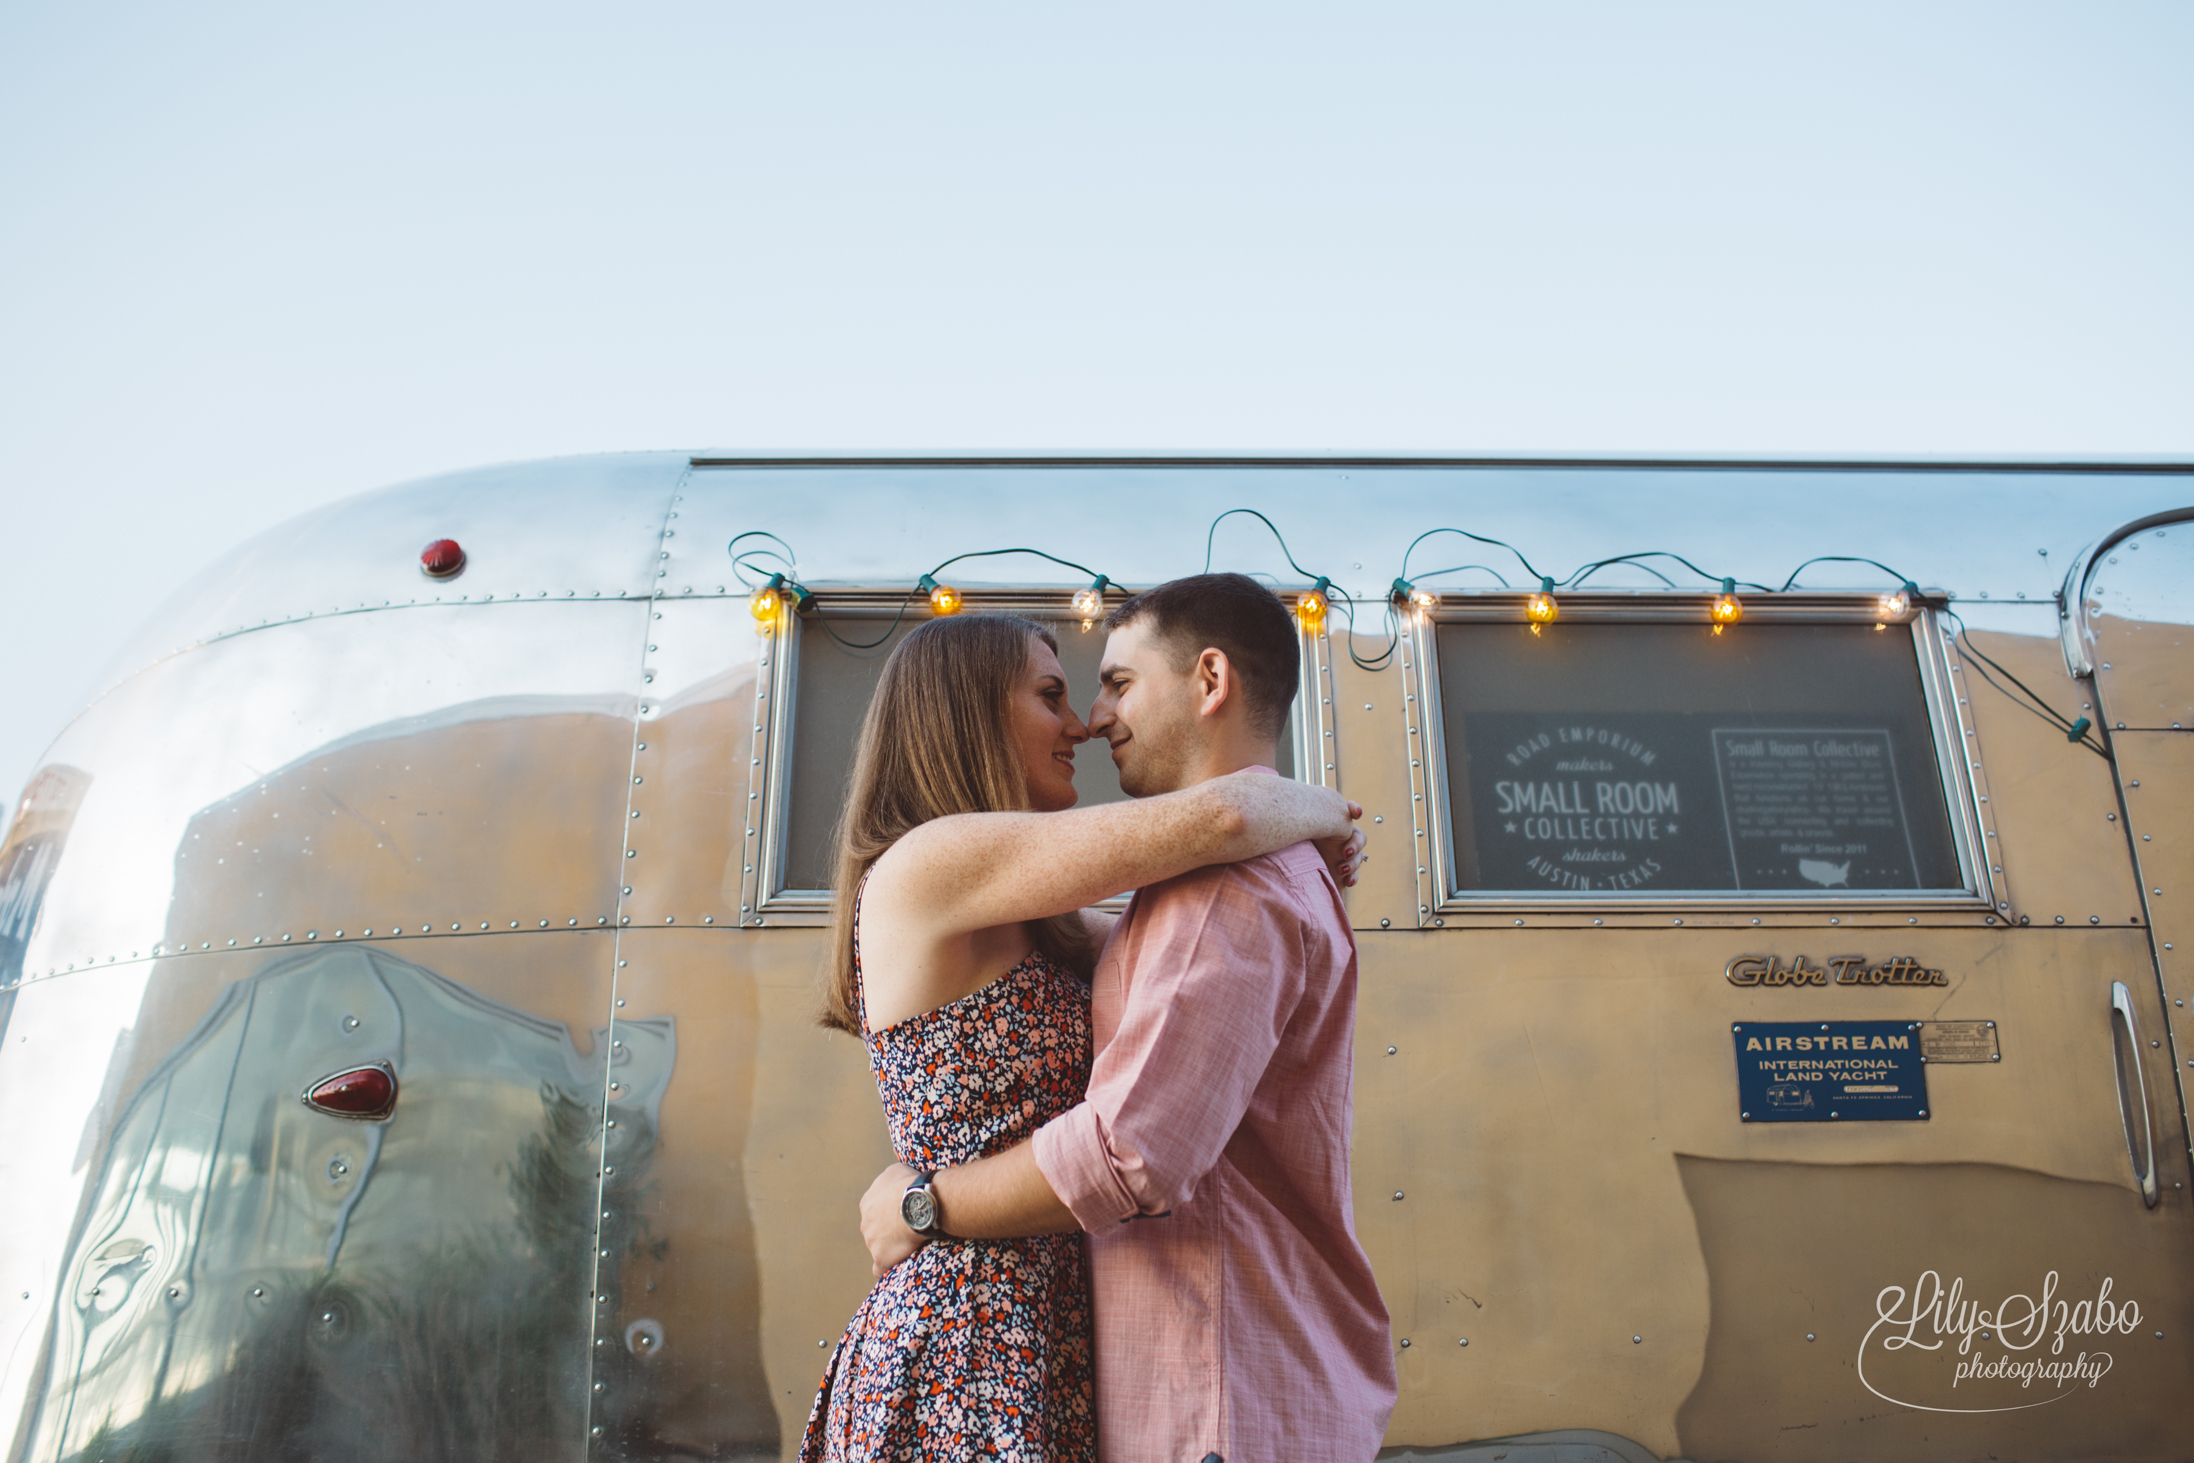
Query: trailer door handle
{"type": "Point", "coordinates": [2125, 1042]}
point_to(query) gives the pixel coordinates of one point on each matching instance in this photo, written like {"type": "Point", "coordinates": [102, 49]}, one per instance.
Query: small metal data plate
{"type": "Point", "coordinates": [1829, 1071]}
{"type": "Point", "coordinates": [1959, 1041]}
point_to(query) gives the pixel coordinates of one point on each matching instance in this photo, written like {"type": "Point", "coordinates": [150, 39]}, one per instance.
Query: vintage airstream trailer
{"type": "Point", "coordinates": [1773, 1009]}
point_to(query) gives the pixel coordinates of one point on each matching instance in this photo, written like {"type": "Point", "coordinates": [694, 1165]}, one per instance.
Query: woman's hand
{"type": "Point", "coordinates": [882, 1229]}
{"type": "Point", "coordinates": [1345, 856]}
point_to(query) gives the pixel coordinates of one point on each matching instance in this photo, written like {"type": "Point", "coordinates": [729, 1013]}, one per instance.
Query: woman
{"type": "Point", "coordinates": [969, 985]}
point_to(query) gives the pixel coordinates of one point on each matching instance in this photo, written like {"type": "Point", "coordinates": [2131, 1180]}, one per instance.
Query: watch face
{"type": "Point", "coordinates": [919, 1209]}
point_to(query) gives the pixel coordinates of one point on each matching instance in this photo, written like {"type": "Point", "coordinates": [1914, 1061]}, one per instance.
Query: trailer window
{"type": "Point", "coordinates": [829, 697]}
{"type": "Point", "coordinates": [1604, 760]}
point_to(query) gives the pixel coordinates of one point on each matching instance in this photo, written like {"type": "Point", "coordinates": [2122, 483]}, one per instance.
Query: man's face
{"type": "Point", "coordinates": [1147, 710]}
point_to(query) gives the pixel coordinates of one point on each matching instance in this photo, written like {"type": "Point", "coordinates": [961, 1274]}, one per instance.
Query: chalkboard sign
{"type": "Point", "coordinates": [1813, 806]}
{"type": "Point", "coordinates": [1609, 760]}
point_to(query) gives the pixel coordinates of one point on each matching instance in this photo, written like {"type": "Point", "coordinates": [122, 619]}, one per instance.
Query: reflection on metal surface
{"type": "Point", "coordinates": [1851, 970]}
{"type": "Point", "coordinates": [36, 837]}
{"type": "Point", "coordinates": [253, 1279]}
{"type": "Point", "coordinates": [362, 778]}
{"type": "Point", "coordinates": [2151, 592]}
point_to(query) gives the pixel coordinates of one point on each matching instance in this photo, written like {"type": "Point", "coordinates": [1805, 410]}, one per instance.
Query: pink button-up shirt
{"type": "Point", "coordinates": [1236, 1315]}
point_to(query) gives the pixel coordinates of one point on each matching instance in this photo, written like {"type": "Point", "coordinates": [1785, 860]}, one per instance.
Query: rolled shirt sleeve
{"type": "Point", "coordinates": [1216, 978]}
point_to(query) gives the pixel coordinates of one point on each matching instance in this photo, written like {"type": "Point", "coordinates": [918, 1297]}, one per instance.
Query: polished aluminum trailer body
{"type": "Point", "coordinates": [532, 841]}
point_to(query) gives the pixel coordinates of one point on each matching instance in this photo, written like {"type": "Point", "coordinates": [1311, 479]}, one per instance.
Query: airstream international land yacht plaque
{"type": "Point", "coordinates": [1829, 1071]}
{"type": "Point", "coordinates": [1636, 759]}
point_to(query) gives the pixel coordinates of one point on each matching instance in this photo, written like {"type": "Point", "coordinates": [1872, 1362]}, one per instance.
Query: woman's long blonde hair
{"type": "Point", "coordinates": [936, 741]}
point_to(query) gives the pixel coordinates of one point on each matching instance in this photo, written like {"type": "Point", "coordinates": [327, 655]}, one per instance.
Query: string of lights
{"type": "Point", "coordinates": [1312, 604]}
{"type": "Point", "coordinates": [1541, 607]}
{"type": "Point", "coordinates": [768, 599]}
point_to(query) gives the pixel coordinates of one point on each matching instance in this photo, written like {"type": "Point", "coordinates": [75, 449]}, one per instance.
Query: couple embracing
{"type": "Point", "coordinates": [1120, 1228]}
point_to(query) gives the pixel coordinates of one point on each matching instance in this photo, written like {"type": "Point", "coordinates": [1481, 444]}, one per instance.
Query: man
{"type": "Point", "coordinates": [1237, 1317]}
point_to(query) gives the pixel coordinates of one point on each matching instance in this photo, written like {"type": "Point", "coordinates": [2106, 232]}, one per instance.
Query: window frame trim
{"type": "Point", "coordinates": [1961, 778]}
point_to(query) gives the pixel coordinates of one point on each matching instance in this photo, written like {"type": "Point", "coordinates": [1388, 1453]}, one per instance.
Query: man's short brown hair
{"type": "Point", "coordinates": [1232, 613]}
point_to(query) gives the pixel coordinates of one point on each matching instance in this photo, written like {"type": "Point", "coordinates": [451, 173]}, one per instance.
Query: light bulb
{"type": "Point", "coordinates": [1541, 608]}
{"type": "Point", "coordinates": [945, 600]}
{"type": "Point", "coordinates": [1423, 601]}
{"type": "Point", "coordinates": [1086, 603]}
{"type": "Point", "coordinates": [1897, 604]}
{"type": "Point", "coordinates": [1727, 609]}
{"type": "Point", "coordinates": [767, 601]}
{"type": "Point", "coordinates": [1310, 610]}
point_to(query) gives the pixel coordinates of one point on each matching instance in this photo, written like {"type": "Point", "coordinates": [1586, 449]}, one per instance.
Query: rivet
{"type": "Point", "coordinates": [1405, 1343]}
{"type": "Point", "coordinates": [1390, 1051]}
{"type": "Point", "coordinates": [1386, 924]}
{"type": "Point", "coordinates": [1637, 1340]}
{"type": "Point", "coordinates": [1464, 1342]}
{"type": "Point", "coordinates": [1809, 1335]}
{"type": "Point", "coordinates": [544, 924]}
{"type": "Point", "coordinates": [1397, 1196]}
{"type": "Point", "coordinates": [708, 919]}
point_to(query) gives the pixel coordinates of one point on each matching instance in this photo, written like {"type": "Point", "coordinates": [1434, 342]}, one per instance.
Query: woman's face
{"type": "Point", "coordinates": [1045, 730]}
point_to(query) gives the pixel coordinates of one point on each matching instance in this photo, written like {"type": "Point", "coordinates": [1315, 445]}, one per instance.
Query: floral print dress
{"type": "Point", "coordinates": [971, 1349]}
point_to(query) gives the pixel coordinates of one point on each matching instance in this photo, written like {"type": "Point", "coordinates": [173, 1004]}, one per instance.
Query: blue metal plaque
{"type": "Point", "coordinates": [1829, 1071]}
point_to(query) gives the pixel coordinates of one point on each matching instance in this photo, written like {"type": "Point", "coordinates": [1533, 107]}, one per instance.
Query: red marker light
{"type": "Point", "coordinates": [362, 1092]}
{"type": "Point", "coordinates": [442, 559]}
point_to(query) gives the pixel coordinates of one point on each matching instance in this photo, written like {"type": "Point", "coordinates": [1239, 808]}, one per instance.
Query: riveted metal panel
{"type": "Point", "coordinates": [348, 773]}
{"type": "Point", "coordinates": [765, 1139]}
{"type": "Point", "coordinates": [1530, 1108]}
{"type": "Point", "coordinates": [575, 528]}
{"type": "Point", "coordinates": [240, 1276]}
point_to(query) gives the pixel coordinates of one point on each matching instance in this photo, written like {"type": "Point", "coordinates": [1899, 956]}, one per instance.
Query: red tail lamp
{"type": "Point", "coordinates": [442, 559]}
{"type": "Point", "coordinates": [367, 1094]}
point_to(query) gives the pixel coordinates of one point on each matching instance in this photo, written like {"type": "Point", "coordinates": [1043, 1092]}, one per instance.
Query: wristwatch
{"type": "Point", "coordinates": [918, 1206]}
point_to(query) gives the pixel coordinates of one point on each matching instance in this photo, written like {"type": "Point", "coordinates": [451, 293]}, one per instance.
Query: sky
{"type": "Point", "coordinates": [257, 257]}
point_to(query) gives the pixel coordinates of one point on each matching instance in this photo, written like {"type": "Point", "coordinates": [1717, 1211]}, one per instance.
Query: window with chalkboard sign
{"type": "Point", "coordinates": [1643, 758]}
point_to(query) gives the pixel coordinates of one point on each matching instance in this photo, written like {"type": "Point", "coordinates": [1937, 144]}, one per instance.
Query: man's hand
{"type": "Point", "coordinates": [886, 1234]}
{"type": "Point", "coordinates": [1345, 856]}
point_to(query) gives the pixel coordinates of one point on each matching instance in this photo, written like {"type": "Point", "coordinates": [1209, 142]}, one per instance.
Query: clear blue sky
{"type": "Point", "coordinates": [254, 257]}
